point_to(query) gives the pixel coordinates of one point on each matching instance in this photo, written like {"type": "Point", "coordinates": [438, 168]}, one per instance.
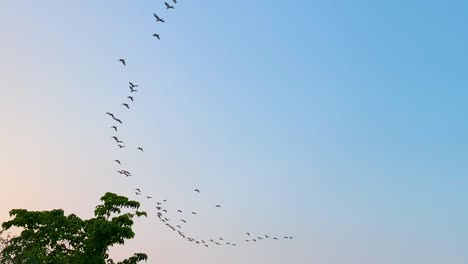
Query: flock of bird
{"type": "Point", "coordinates": [162, 212]}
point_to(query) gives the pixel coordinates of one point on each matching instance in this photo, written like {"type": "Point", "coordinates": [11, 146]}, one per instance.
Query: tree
{"type": "Point", "coordinates": [55, 238]}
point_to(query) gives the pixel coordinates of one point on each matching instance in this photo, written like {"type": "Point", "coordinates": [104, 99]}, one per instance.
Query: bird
{"type": "Point", "coordinates": [110, 114]}
{"type": "Point", "coordinates": [178, 226]}
{"type": "Point", "coordinates": [248, 233]}
{"type": "Point", "coordinates": [130, 97]}
{"type": "Point", "coordinates": [138, 189]}
{"type": "Point", "coordinates": [114, 127]}
{"type": "Point", "coordinates": [133, 90]}
{"type": "Point", "coordinates": [149, 197]}
{"type": "Point", "coordinates": [206, 245]}
{"type": "Point", "coordinates": [196, 190]}
{"type": "Point", "coordinates": [254, 240]}
{"type": "Point", "coordinates": [118, 120]}
{"type": "Point", "coordinates": [290, 237]}
{"type": "Point", "coordinates": [218, 206]}
{"type": "Point", "coordinates": [118, 161]}
{"type": "Point", "coordinates": [221, 239]}
{"type": "Point", "coordinates": [266, 236]}
{"type": "Point", "coordinates": [182, 220]}
{"type": "Point", "coordinates": [133, 85]}
{"type": "Point", "coordinates": [164, 210]}
{"type": "Point", "coordinates": [117, 140]}
{"type": "Point", "coordinates": [168, 6]}
{"type": "Point", "coordinates": [126, 105]}
{"type": "Point", "coordinates": [137, 193]}
{"type": "Point", "coordinates": [123, 62]}
{"type": "Point", "coordinates": [158, 19]}
{"type": "Point", "coordinates": [175, 1]}
{"type": "Point", "coordinates": [275, 238]}
{"type": "Point", "coordinates": [156, 36]}
{"type": "Point", "coordinates": [158, 208]}
{"type": "Point", "coordinates": [180, 211]}
{"type": "Point", "coordinates": [194, 213]}
{"type": "Point", "coordinates": [121, 146]}
{"type": "Point", "coordinates": [140, 148]}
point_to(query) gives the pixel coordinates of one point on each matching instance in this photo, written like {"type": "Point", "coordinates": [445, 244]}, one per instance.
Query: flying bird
{"type": "Point", "coordinates": [248, 233]}
{"type": "Point", "coordinates": [156, 36]}
{"type": "Point", "coordinates": [137, 193]}
{"type": "Point", "coordinates": [140, 149]}
{"type": "Point", "coordinates": [118, 161]}
{"type": "Point", "coordinates": [130, 97]}
{"type": "Point", "coordinates": [158, 19]}
{"type": "Point", "coordinates": [114, 127]}
{"type": "Point", "coordinates": [182, 220]}
{"type": "Point", "coordinates": [149, 197]}
{"type": "Point", "coordinates": [196, 190]}
{"type": "Point", "coordinates": [117, 140]}
{"type": "Point", "coordinates": [158, 208]}
{"type": "Point", "coordinates": [126, 105]}
{"type": "Point", "coordinates": [121, 146]}
{"type": "Point", "coordinates": [123, 62]}
{"type": "Point", "coordinates": [110, 114]}
{"type": "Point", "coordinates": [275, 238]}
{"type": "Point", "coordinates": [168, 6]}
{"type": "Point", "coordinates": [118, 120]}
{"type": "Point", "coordinates": [133, 85]}
{"type": "Point", "coordinates": [133, 90]}
{"type": "Point", "coordinates": [138, 189]}
{"type": "Point", "coordinates": [218, 206]}
{"type": "Point", "coordinates": [180, 211]}
{"type": "Point", "coordinates": [194, 213]}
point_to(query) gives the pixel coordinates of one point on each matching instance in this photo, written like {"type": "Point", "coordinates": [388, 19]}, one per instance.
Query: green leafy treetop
{"type": "Point", "coordinates": [52, 237]}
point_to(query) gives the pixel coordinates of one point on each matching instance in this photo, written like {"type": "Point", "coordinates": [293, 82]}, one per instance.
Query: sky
{"type": "Point", "coordinates": [341, 123]}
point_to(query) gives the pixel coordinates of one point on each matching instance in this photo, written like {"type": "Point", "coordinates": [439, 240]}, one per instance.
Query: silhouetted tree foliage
{"type": "Point", "coordinates": [55, 238]}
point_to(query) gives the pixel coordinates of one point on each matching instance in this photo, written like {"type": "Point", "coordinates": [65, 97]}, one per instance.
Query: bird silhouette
{"type": "Point", "coordinates": [275, 238]}
{"type": "Point", "coordinates": [123, 62]}
{"type": "Point", "coordinates": [196, 190]}
{"type": "Point", "coordinates": [158, 19]}
{"type": "Point", "coordinates": [158, 208]}
{"type": "Point", "coordinates": [168, 6]}
{"type": "Point", "coordinates": [114, 127]}
{"type": "Point", "coordinates": [133, 90]}
{"type": "Point", "coordinates": [110, 114]}
{"type": "Point", "coordinates": [194, 213]}
{"type": "Point", "coordinates": [180, 211]}
{"type": "Point", "coordinates": [126, 105]}
{"type": "Point", "coordinates": [118, 120]}
{"type": "Point", "coordinates": [218, 206]}
{"type": "Point", "coordinates": [117, 140]}
{"type": "Point", "coordinates": [130, 97]}
{"type": "Point", "coordinates": [121, 146]}
{"type": "Point", "coordinates": [248, 233]}
{"type": "Point", "coordinates": [182, 220]}
{"type": "Point", "coordinates": [137, 193]}
{"type": "Point", "coordinates": [132, 85]}
{"type": "Point", "coordinates": [118, 161]}
{"type": "Point", "coordinates": [140, 149]}
{"type": "Point", "coordinates": [138, 189]}
{"type": "Point", "coordinates": [149, 197]}
{"type": "Point", "coordinates": [156, 36]}
{"type": "Point", "coordinates": [254, 240]}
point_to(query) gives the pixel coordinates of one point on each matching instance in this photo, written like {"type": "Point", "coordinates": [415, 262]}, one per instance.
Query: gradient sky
{"type": "Point", "coordinates": [342, 123]}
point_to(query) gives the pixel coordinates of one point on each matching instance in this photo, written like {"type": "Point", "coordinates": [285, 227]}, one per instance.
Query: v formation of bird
{"type": "Point", "coordinates": [179, 222]}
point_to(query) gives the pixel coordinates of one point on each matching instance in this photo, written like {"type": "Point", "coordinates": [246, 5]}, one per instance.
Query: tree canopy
{"type": "Point", "coordinates": [55, 238]}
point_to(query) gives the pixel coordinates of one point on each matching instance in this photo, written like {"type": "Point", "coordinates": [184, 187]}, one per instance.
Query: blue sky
{"type": "Point", "coordinates": [341, 123]}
